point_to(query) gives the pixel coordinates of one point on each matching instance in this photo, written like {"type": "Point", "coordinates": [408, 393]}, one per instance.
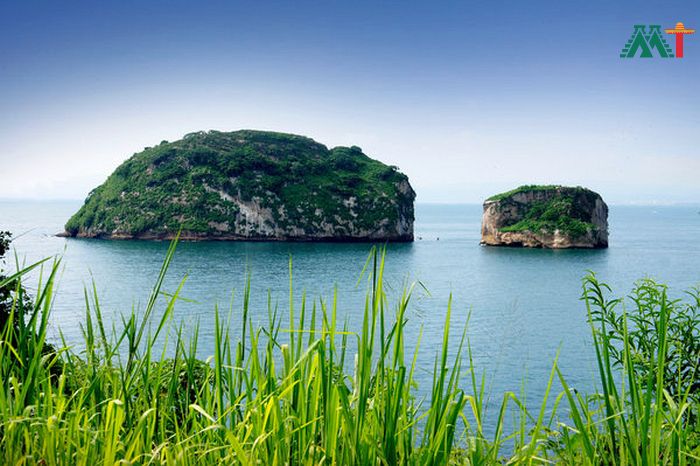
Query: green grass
{"type": "Point", "coordinates": [274, 395]}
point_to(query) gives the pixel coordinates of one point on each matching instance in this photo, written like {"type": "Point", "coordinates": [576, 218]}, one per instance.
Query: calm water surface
{"type": "Point", "coordinates": [524, 303]}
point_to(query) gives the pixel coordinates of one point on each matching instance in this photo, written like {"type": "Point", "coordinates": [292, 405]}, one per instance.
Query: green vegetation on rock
{"type": "Point", "coordinates": [249, 184]}
{"type": "Point", "coordinates": [556, 214]}
{"type": "Point", "coordinates": [524, 189]}
{"type": "Point", "coordinates": [567, 210]}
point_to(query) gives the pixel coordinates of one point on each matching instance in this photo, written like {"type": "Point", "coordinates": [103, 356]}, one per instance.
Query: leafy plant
{"type": "Point", "coordinates": [636, 419]}
{"type": "Point", "coordinates": [657, 323]}
{"type": "Point", "coordinates": [11, 291]}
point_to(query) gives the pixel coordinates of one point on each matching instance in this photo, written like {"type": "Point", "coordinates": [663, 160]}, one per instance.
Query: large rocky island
{"type": "Point", "coordinates": [546, 217]}
{"type": "Point", "coordinates": [249, 185]}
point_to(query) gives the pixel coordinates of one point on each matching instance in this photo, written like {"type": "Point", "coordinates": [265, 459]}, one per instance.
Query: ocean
{"type": "Point", "coordinates": [522, 306]}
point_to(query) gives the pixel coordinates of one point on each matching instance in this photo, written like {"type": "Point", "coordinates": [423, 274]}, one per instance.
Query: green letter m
{"type": "Point", "coordinates": [640, 39]}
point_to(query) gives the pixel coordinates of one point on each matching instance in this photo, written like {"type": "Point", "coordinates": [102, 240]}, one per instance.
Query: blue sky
{"type": "Point", "coordinates": [467, 98]}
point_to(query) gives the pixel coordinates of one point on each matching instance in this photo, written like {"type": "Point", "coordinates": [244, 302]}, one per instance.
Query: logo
{"type": "Point", "coordinates": [648, 38]}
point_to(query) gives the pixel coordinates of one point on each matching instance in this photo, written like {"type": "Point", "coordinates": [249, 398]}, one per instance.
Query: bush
{"type": "Point", "coordinates": [11, 292]}
{"type": "Point", "coordinates": [657, 328]}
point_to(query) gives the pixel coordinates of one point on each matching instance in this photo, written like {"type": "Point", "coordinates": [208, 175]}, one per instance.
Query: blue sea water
{"type": "Point", "coordinates": [523, 304]}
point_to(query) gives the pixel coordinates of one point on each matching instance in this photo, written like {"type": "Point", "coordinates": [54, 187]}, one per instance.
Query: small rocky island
{"type": "Point", "coordinates": [249, 185]}
{"type": "Point", "coordinates": [546, 217]}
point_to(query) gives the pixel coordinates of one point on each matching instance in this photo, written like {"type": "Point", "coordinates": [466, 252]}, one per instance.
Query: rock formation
{"type": "Point", "coordinates": [249, 185]}
{"type": "Point", "coordinates": [546, 217]}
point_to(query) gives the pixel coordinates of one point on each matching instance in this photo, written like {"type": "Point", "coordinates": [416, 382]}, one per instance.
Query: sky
{"type": "Point", "coordinates": [466, 98]}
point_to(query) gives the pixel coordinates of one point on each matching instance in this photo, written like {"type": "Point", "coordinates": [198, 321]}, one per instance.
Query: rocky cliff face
{"type": "Point", "coordinates": [249, 185]}
{"type": "Point", "coordinates": [546, 217]}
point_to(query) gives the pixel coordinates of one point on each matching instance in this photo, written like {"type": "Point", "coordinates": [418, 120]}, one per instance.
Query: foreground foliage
{"type": "Point", "coordinates": [274, 395]}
